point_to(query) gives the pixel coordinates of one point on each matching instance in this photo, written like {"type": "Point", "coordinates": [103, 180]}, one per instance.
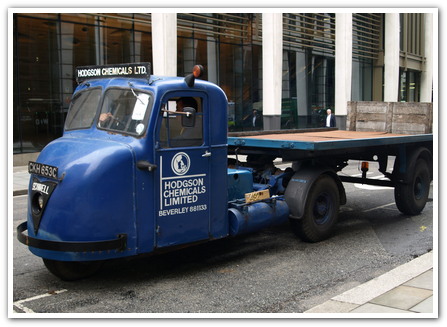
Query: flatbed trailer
{"type": "Point", "coordinates": [315, 191]}
{"type": "Point", "coordinates": [322, 139]}
{"type": "Point", "coordinates": [300, 144]}
{"type": "Point", "coordinates": [333, 145]}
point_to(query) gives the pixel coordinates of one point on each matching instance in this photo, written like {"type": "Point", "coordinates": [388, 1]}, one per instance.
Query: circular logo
{"type": "Point", "coordinates": [180, 163]}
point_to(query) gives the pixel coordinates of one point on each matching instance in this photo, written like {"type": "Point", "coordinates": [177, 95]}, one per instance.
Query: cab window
{"type": "Point", "coordinates": [182, 123]}
{"type": "Point", "coordinates": [124, 111]}
{"type": "Point", "coordinates": [83, 108]}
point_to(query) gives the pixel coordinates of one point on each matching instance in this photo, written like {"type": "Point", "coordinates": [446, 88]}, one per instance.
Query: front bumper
{"type": "Point", "coordinates": [118, 244]}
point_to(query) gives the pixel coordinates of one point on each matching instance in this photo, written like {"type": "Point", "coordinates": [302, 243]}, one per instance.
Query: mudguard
{"type": "Point", "coordinates": [300, 185]}
{"type": "Point", "coordinates": [406, 162]}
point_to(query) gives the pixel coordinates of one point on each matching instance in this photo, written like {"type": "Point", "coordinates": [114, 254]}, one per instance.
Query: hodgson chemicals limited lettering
{"type": "Point", "coordinates": [183, 193]}
{"type": "Point", "coordinates": [179, 192]}
{"type": "Point", "coordinates": [124, 70]}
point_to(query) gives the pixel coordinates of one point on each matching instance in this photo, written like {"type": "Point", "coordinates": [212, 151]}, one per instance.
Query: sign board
{"type": "Point", "coordinates": [133, 70]}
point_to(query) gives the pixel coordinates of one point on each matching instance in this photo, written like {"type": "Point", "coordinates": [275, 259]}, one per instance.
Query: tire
{"type": "Point", "coordinates": [72, 270]}
{"type": "Point", "coordinates": [320, 212]}
{"type": "Point", "coordinates": [411, 198]}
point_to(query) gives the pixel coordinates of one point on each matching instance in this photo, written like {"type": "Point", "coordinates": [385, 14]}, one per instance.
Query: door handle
{"type": "Point", "coordinates": [146, 165]}
{"type": "Point", "coordinates": [206, 154]}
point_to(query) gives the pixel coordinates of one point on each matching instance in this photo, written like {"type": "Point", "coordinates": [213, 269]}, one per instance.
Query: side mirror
{"type": "Point", "coordinates": [189, 117]}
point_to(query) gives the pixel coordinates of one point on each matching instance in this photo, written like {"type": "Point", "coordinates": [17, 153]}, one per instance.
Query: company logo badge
{"type": "Point", "coordinates": [180, 163]}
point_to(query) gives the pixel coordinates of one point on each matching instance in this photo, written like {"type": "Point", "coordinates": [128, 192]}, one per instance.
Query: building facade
{"type": "Point", "coordinates": [290, 67]}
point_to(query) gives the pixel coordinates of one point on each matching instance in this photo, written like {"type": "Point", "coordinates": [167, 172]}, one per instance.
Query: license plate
{"type": "Point", "coordinates": [42, 170]}
{"type": "Point", "coordinates": [257, 196]}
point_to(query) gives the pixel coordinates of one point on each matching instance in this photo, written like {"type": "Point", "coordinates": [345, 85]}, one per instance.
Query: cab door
{"type": "Point", "coordinates": [183, 157]}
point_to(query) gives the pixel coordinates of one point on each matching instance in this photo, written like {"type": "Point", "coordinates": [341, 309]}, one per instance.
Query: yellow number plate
{"type": "Point", "coordinates": [257, 196]}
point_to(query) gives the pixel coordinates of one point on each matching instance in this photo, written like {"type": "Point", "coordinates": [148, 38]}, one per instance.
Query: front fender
{"type": "Point", "coordinates": [95, 200]}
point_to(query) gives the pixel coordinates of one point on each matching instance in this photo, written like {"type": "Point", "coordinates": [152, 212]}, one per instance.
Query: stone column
{"type": "Point", "coordinates": [391, 58]}
{"type": "Point", "coordinates": [427, 74]}
{"type": "Point", "coordinates": [272, 54]}
{"type": "Point", "coordinates": [343, 66]}
{"type": "Point", "coordinates": [164, 44]}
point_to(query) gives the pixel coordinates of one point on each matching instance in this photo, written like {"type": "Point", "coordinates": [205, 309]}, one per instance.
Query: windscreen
{"type": "Point", "coordinates": [124, 111]}
{"type": "Point", "coordinates": [83, 109]}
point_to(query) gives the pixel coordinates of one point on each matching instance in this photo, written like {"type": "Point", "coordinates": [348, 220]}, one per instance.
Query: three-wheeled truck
{"type": "Point", "coordinates": [145, 164]}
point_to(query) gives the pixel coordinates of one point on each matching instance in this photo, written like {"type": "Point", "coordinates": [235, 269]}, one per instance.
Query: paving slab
{"type": "Point", "coordinates": [403, 297]}
{"type": "Point", "coordinates": [424, 280]}
{"type": "Point", "coordinates": [375, 308]}
{"type": "Point", "coordinates": [425, 306]}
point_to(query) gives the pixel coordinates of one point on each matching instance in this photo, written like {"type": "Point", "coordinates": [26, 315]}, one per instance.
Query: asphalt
{"type": "Point", "coordinates": [404, 290]}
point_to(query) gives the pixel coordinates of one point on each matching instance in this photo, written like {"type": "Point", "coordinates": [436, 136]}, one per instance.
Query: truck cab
{"type": "Point", "coordinates": [134, 170]}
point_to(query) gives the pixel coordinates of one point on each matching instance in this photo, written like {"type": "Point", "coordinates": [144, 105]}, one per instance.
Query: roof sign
{"type": "Point", "coordinates": [134, 70]}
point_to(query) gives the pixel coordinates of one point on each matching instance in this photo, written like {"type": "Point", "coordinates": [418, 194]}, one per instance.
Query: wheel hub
{"type": "Point", "coordinates": [322, 208]}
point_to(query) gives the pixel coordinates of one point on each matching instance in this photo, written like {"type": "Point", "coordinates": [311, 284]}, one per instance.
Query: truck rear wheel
{"type": "Point", "coordinates": [412, 197]}
{"type": "Point", "coordinates": [72, 270]}
{"type": "Point", "coordinates": [321, 211]}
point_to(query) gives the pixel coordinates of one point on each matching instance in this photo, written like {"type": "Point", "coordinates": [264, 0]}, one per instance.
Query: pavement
{"type": "Point", "coordinates": [404, 290]}
{"type": "Point", "coordinates": [20, 180]}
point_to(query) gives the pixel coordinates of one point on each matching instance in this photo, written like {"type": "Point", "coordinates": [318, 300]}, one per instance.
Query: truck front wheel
{"type": "Point", "coordinates": [412, 197]}
{"type": "Point", "coordinates": [320, 212]}
{"type": "Point", "coordinates": [72, 270]}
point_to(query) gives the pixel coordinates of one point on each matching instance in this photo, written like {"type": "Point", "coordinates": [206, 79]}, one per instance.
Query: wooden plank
{"type": "Point", "coordinates": [299, 145]}
{"type": "Point", "coordinates": [324, 136]}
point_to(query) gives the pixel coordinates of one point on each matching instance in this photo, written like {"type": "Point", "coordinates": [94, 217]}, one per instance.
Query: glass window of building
{"type": "Point", "coordinates": [37, 113]}
{"type": "Point", "coordinates": [229, 47]}
{"type": "Point", "coordinates": [410, 82]}
{"type": "Point", "coordinates": [308, 69]}
{"type": "Point", "coordinates": [48, 48]}
{"type": "Point", "coordinates": [411, 56]}
{"type": "Point", "coordinates": [366, 49]}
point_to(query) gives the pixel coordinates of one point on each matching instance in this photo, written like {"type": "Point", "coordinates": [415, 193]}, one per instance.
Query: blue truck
{"type": "Point", "coordinates": [146, 164]}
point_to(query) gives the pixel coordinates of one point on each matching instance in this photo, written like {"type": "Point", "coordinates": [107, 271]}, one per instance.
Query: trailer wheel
{"type": "Point", "coordinates": [320, 212]}
{"type": "Point", "coordinates": [72, 270]}
{"type": "Point", "coordinates": [412, 197]}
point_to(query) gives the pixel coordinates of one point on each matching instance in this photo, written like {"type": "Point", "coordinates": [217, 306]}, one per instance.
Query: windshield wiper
{"type": "Point", "coordinates": [133, 92]}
